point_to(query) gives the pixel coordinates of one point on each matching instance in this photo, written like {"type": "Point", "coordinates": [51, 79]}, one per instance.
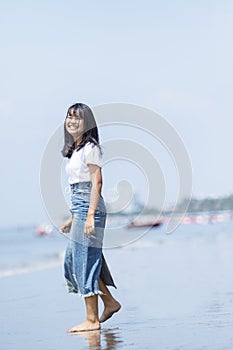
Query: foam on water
{"type": "Point", "coordinates": [21, 251]}
{"type": "Point", "coordinates": [18, 270]}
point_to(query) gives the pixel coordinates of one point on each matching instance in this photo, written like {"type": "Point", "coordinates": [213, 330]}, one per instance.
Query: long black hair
{"type": "Point", "coordinates": [90, 133]}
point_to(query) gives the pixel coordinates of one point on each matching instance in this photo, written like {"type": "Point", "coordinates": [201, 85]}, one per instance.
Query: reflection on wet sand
{"type": "Point", "coordinates": [108, 339]}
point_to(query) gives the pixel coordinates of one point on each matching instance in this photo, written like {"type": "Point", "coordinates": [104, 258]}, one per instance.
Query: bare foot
{"type": "Point", "coordinates": [84, 327]}
{"type": "Point", "coordinates": [109, 310]}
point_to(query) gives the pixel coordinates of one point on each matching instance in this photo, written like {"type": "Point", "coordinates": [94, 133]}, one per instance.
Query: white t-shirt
{"type": "Point", "coordinates": [77, 168]}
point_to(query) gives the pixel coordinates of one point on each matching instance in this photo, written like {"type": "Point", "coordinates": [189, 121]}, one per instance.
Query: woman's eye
{"type": "Point", "coordinates": [75, 118]}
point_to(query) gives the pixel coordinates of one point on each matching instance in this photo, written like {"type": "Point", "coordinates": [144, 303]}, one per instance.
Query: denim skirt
{"type": "Point", "coordinates": [84, 261]}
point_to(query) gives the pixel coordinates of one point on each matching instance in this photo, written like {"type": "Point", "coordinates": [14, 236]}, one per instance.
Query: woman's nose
{"type": "Point", "coordinates": [74, 118]}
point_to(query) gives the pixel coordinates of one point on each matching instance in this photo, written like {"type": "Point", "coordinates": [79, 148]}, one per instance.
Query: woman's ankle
{"type": "Point", "coordinates": [92, 319]}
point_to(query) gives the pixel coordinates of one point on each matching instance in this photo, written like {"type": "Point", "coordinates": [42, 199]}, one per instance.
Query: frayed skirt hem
{"type": "Point", "coordinates": [88, 294]}
{"type": "Point", "coordinates": [71, 289]}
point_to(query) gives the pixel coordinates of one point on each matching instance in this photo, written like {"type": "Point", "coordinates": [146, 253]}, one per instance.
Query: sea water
{"type": "Point", "coordinates": [21, 250]}
{"type": "Point", "coordinates": [176, 289]}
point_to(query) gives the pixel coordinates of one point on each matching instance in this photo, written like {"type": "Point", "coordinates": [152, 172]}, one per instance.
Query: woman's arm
{"type": "Point", "coordinates": [96, 179]}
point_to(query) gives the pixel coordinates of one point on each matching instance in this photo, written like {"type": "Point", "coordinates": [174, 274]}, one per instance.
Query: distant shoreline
{"type": "Point", "coordinates": [227, 213]}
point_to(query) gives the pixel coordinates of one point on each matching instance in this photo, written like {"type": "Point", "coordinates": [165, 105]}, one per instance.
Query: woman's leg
{"type": "Point", "coordinates": [92, 322]}
{"type": "Point", "coordinates": [111, 305]}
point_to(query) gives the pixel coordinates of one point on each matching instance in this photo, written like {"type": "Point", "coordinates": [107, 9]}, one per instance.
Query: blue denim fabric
{"type": "Point", "coordinates": [84, 262]}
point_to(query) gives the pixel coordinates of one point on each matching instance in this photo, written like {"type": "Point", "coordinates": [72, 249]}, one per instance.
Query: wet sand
{"type": "Point", "coordinates": [176, 293]}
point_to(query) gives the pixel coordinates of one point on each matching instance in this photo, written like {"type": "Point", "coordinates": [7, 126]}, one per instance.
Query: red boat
{"type": "Point", "coordinates": [134, 224]}
{"type": "Point", "coordinates": [44, 230]}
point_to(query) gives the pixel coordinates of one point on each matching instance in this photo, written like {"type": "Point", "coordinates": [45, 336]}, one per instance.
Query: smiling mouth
{"type": "Point", "coordinates": [72, 127]}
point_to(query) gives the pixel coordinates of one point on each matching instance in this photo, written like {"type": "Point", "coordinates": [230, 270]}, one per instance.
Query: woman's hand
{"type": "Point", "coordinates": [65, 228]}
{"type": "Point", "coordinates": [89, 227]}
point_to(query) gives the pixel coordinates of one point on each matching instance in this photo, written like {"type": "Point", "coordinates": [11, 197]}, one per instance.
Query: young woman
{"type": "Point", "coordinates": [85, 269]}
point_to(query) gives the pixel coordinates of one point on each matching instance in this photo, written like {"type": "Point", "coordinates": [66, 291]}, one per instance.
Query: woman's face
{"type": "Point", "coordinates": [74, 125]}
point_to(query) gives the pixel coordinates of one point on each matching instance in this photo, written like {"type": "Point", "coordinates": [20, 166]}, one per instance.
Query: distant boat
{"type": "Point", "coordinates": [44, 230]}
{"type": "Point", "coordinates": [135, 224]}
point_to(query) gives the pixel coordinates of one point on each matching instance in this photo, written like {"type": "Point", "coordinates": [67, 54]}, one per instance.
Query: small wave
{"type": "Point", "coordinates": [143, 244]}
{"type": "Point", "coordinates": [56, 261]}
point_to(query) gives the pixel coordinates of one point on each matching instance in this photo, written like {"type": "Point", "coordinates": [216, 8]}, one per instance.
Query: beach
{"type": "Point", "coordinates": [176, 292]}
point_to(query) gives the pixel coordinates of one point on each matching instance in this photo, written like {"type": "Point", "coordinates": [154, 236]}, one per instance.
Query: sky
{"type": "Point", "coordinates": [173, 57]}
